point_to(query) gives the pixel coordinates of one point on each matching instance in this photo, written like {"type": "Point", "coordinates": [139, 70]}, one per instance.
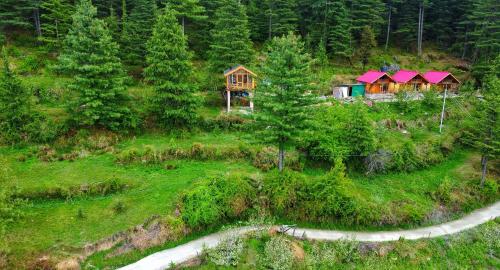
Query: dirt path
{"type": "Point", "coordinates": [163, 259]}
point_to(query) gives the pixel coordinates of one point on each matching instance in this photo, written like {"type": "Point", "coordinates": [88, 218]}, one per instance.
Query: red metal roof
{"type": "Point", "coordinates": [372, 76]}
{"type": "Point", "coordinates": [404, 76]}
{"type": "Point", "coordinates": [437, 76]}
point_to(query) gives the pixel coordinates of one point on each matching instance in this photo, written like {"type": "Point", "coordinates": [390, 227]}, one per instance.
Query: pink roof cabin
{"type": "Point", "coordinates": [410, 80]}
{"type": "Point", "coordinates": [377, 82]}
{"type": "Point", "coordinates": [442, 80]}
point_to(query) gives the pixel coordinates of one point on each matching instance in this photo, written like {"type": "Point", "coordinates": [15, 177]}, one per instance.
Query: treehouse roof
{"type": "Point", "coordinates": [372, 76]}
{"type": "Point", "coordinates": [404, 76]}
{"type": "Point", "coordinates": [237, 68]}
{"type": "Point", "coordinates": [438, 76]}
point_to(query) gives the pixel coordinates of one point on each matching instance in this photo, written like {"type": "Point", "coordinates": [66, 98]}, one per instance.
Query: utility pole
{"type": "Point", "coordinates": [444, 106]}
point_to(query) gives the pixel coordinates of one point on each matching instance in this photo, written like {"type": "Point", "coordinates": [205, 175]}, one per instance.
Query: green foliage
{"type": "Point", "coordinates": [55, 22]}
{"type": "Point", "coordinates": [10, 211]}
{"type": "Point", "coordinates": [16, 13]}
{"type": "Point", "coordinates": [342, 131]}
{"type": "Point", "coordinates": [169, 69]}
{"type": "Point", "coordinates": [186, 9]}
{"type": "Point", "coordinates": [339, 29]}
{"type": "Point", "coordinates": [91, 57]}
{"type": "Point", "coordinates": [137, 29]}
{"type": "Point", "coordinates": [443, 192]}
{"type": "Point", "coordinates": [283, 97]}
{"type": "Point", "coordinates": [278, 254]}
{"type": "Point", "coordinates": [366, 45]}
{"type": "Point", "coordinates": [18, 121]}
{"type": "Point", "coordinates": [483, 128]}
{"type": "Point", "coordinates": [228, 252]}
{"type": "Point", "coordinates": [283, 190]}
{"type": "Point", "coordinates": [212, 201]}
{"type": "Point", "coordinates": [366, 14]}
{"type": "Point", "coordinates": [230, 21]}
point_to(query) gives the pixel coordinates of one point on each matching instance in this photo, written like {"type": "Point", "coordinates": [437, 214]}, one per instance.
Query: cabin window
{"type": "Point", "coordinates": [233, 79]}
{"type": "Point", "coordinates": [245, 78]}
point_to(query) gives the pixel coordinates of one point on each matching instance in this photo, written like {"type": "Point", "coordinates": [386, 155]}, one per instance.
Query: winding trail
{"type": "Point", "coordinates": [163, 259]}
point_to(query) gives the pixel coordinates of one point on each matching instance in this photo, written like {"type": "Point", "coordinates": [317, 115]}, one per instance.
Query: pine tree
{"type": "Point", "coordinates": [321, 56]}
{"type": "Point", "coordinates": [366, 13]}
{"type": "Point", "coordinates": [15, 105]}
{"type": "Point", "coordinates": [360, 133]}
{"type": "Point", "coordinates": [367, 43]}
{"type": "Point", "coordinates": [113, 24]}
{"type": "Point", "coordinates": [231, 44]}
{"type": "Point", "coordinates": [169, 69]}
{"type": "Point", "coordinates": [187, 9]}
{"type": "Point", "coordinates": [17, 13]}
{"type": "Point", "coordinates": [282, 96]}
{"type": "Point", "coordinates": [137, 30]}
{"type": "Point", "coordinates": [91, 57]}
{"type": "Point", "coordinates": [482, 131]}
{"type": "Point", "coordinates": [55, 22]}
{"type": "Point", "coordinates": [339, 29]}
{"type": "Point", "coordinates": [282, 17]}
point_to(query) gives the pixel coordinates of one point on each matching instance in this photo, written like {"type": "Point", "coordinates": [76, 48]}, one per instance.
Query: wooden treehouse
{"type": "Point", "coordinates": [240, 84]}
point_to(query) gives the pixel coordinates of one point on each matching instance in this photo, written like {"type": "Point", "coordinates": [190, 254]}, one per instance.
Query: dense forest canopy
{"type": "Point", "coordinates": [466, 28]}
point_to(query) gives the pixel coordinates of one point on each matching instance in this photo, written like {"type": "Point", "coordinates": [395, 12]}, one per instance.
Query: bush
{"type": "Point", "coordinates": [283, 189]}
{"type": "Point", "coordinates": [63, 193]}
{"type": "Point", "coordinates": [228, 252]}
{"type": "Point", "coordinates": [278, 254]}
{"type": "Point", "coordinates": [443, 193]}
{"type": "Point", "coordinates": [215, 200]}
{"type": "Point", "coordinates": [30, 64]}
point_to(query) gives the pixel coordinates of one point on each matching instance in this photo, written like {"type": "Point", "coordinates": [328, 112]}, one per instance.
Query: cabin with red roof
{"type": "Point", "coordinates": [442, 80]}
{"type": "Point", "coordinates": [410, 80]}
{"type": "Point", "coordinates": [377, 82]}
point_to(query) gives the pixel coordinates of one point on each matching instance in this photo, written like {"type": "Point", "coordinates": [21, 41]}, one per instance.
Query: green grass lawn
{"type": "Point", "coordinates": [55, 223]}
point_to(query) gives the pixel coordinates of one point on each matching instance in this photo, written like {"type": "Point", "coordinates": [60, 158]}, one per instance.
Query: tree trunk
{"type": "Point", "coordinates": [183, 25]}
{"type": "Point", "coordinates": [484, 165]}
{"type": "Point", "coordinates": [36, 18]}
{"type": "Point", "coordinates": [270, 26]}
{"type": "Point", "coordinates": [388, 27]}
{"type": "Point", "coordinates": [281, 157]}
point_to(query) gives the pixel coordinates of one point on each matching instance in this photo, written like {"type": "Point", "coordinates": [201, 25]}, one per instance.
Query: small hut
{"type": "Point", "coordinates": [240, 82]}
{"type": "Point", "coordinates": [409, 80]}
{"type": "Point", "coordinates": [377, 82]}
{"type": "Point", "coordinates": [442, 80]}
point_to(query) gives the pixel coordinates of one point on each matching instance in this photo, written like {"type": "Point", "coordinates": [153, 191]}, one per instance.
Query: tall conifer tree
{"type": "Point", "coordinates": [169, 69]}
{"type": "Point", "coordinates": [137, 30]}
{"type": "Point", "coordinates": [15, 105]}
{"type": "Point", "coordinates": [186, 9]}
{"type": "Point", "coordinates": [367, 13]}
{"type": "Point", "coordinates": [55, 21]}
{"type": "Point", "coordinates": [91, 57]}
{"type": "Point", "coordinates": [282, 98]}
{"type": "Point", "coordinates": [231, 44]}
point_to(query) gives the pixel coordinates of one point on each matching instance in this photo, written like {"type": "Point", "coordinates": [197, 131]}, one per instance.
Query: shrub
{"type": "Point", "coordinates": [266, 158]}
{"type": "Point", "coordinates": [431, 100]}
{"type": "Point", "coordinates": [119, 207]}
{"type": "Point", "coordinates": [30, 64]}
{"type": "Point", "coordinates": [443, 192]}
{"type": "Point", "coordinates": [200, 207]}
{"type": "Point", "coordinates": [283, 189]}
{"type": "Point", "coordinates": [228, 252]}
{"type": "Point", "coordinates": [215, 200]}
{"type": "Point", "coordinates": [278, 254]}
